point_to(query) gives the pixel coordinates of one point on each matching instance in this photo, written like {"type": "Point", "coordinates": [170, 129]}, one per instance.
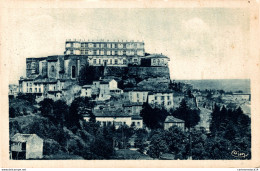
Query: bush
{"type": "Point", "coordinates": [51, 146]}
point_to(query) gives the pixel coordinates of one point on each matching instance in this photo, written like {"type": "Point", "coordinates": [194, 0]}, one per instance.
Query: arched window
{"type": "Point", "coordinates": [73, 72]}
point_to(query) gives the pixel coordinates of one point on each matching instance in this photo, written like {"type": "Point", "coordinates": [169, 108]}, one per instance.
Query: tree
{"type": "Point", "coordinates": [79, 106]}
{"type": "Point", "coordinates": [177, 141]}
{"type": "Point", "coordinates": [153, 117]}
{"type": "Point", "coordinates": [60, 111]}
{"type": "Point", "coordinates": [191, 117]}
{"type": "Point", "coordinates": [46, 107]}
{"type": "Point", "coordinates": [158, 145]}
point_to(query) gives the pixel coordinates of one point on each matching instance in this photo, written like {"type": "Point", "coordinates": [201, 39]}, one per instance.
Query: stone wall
{"type": "Point", "coordinates": [136, 71]}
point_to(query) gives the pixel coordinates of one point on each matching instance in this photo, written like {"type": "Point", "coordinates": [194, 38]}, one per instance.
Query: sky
{"type": "Point", "coordinates": [202, 43]}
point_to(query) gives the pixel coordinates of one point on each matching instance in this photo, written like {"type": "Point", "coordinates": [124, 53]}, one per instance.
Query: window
{"type": "Point", "coordinates": [35, 90]}
{"type": "Point", "coordinates": [73, 72]}
{"type": "Point", "coordinates": [39, 90]}
{"type": "Point", "coordinates": [30, 90]}
{"type": "Point", "coordinates": [27, 84]}
{"type": "Point", "coordinates": [135, 60]}
{"type": "Point", "coordinates": [52, 68]}
{"type": "Point", "coordinates": [137, 95]}
{"type": "Point", "coordinates": [168, 97]}
{"type": "Point", "coordinates": [162, 98]}
{"type": "Point", "coordinates": [110, 61]}
{"type": "Point", "coordinates": [99, 61]}
{"type": "Point", "coordinates": [169, 103]}
{"type": "Point", "coordinates": [95, 61]}
{"type": "Point", "coordinates": [116, 61]}
{"type": "Point", "coordinates": [28, 66]}
{"type": "Point", "coordinates": [138, 123]}
{"type": "Point", "coordinates": [124, 62]}
{"type": "Point", "coordinates": [155, 97]}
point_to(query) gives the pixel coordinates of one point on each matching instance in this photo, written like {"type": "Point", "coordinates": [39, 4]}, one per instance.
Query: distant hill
{"type": "Point", "coordinates": [220, 84]}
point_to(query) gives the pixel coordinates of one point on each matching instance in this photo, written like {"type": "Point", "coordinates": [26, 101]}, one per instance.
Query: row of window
{"type": "Point", "coordinates": [162, 97]}
{"type": "Point", "coordinates": [106, 45]}
{"type": "Point", "coordinates": [97, 52]}
{"type": "Point", "coordinates": [29, 90]}
{"type": "Point", "coordinates": [110, 61]}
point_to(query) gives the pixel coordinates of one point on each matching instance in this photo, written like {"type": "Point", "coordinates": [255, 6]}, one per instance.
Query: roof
{"type": "Point", "coordinates": [111, 113]}
{"type": "Point", "coordinates": [106, 81]}
{"type": "Point", "coordinates": [86, 86]}
{"type": "Point", "coordinates": [21, 137]}
{"type": "Point", "coordinates": [150, 90]}
{"type": "Point", "coordinates": [45, 80]}
{"type": "Point", "coordinates": [136, 117]}
{"type": "Point", "coordinates": [156, 56]}
{"type": "Point", "coordinates": [128, 103]}
{"type": "Point", "coordinates": [171, 119]}
{"type": "Point", "coordinates": [52, 58]}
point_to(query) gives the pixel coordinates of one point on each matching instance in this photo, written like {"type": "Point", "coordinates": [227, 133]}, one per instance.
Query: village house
{"type": "Point", "coordinates": [13, 90]}
{"type": "Point", "coordinates": [171, 121]}
{"type": "Point", "coordinates": [155, 60]}
{"type": "Point", "coordinates": [105, 117]}
{"type": "Point", "coordinates": [86, 91]}
{"type": "Point", "coordinates": [137, 121]}
{"type": "Point", "coordinates": [133, 108]}
{"type": "Point", "coordinates": [161, 98]}
{"type": "Point", "coordinates": [26, 146]}
{"type": "Point", "coordinates": [136, 94]}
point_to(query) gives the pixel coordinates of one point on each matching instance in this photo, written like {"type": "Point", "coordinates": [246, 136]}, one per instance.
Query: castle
{"type": "Point", "coordinates": [50, 76]}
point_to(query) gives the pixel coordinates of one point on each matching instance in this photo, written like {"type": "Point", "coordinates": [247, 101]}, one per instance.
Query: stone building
{"type": "Point", "coordinates": [49, 76]}
{"type": "Point", "coordinates": [107, 53]}
{"type": "Point", "coordinates": [26, 146]}
{"type": "Point", "coordinates": [155, 60]}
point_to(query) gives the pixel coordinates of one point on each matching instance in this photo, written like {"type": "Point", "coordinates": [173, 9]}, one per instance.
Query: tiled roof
{"type": "Point", "coordinates": [128, 103]}
{"type": "Point", "coordinates": [86, 86]}
{"type": "Point", "coordinates": [45, 80]}
{"type": "Point", "coordinates": [156, 56]}
{"type": "Point", "coordinates": [171, 119]}
{"type": "Point", "coordinates": [21, 137]}
{"type": "Point", "coordinates": [137, 117]}
{"type": "Point", "coordinates": [112, 113]}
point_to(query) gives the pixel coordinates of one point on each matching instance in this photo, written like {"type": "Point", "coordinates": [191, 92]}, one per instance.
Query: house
{"type": "Point", "coordinates": [137, 121]}
{"type": "Point", "coordinates": [133, 108]}
{"type": "Point", "coordinates": [171, 121]}
{"type": "Point", "coordinates": [86, 91]}
{"type": "Point", "coordinates": [108, 88]}
{"type": "Point", "coordinates": [110, 117]}
{"type": "Point", "coordinates": [13, 90]}
{"type": "Point", "coordinates": [136, 94]}
{"type": "Point", "coordinates": [26, 146]}
{"type": "Point", "coordinates": [160, 98]}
